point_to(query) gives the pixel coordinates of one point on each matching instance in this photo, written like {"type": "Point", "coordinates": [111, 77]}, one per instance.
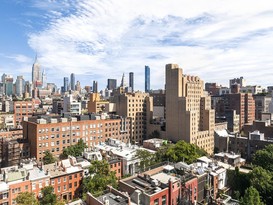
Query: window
{"type": "Point", "coordinates": [40, 184]}
{"type": "Point", "coordinates": [64, 179]}
{"type": "Point", "coordinates": [52, 182]}
{"type": "Point", "coordinates": [33, 186]}
{"type": "Point", "coordinates": [164, 200]}
{"type": "Point", "coordinates": [70, 177]}
{"type": "Point", "coordinates": [156, 202]}
{"type": "Point", "coordinates": [59, 180]}
{"type": "Point", "coordinates": [75, 184]}
{"type": "Point", "coordinates": [70, 185]}
{"type": "Point", "coordinates": [59, 188]}
{"type": "Point", "coordinates": [26, 188]}
{"type": "Point", "coordinates": [64, 187]}
{"type": "Point", "coordinates": [75, 175]}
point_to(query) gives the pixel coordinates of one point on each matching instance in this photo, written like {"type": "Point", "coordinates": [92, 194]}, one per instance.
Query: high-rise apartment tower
{"type": "Point", "coordinates": [189, 115]}
{"type": "Point", "coordinates": [131, 81]}
{"type": "Point", "coordinates": [72, 81]}
{"type": "Point", "coordinates": [147, 79]}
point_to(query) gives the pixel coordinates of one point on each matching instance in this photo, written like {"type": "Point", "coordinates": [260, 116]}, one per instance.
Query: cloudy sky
{"type": "Point", "coordinates": [214, 39]}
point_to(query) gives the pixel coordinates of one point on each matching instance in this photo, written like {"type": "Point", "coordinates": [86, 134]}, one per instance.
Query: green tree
{"type": "Point", "coordinates": [262, 180]}
{"type": "Point", "coordinates": [74, 150]}
{"type": "Point", "coordinates": [101, 176]}
{"type": "Point", "coordinates": [264, 158]}
{"type": "Point", "coordinates": [238, 181]}
{"type": "Point", "coordinates": [146, 158]}
{"type": "Point", "coordinates": [26, 198]}
{"type": "Point", "coordinates": [48, 157]}
{"type": "Point", "coordinates": [181, 151]}
{"type": "Point", "coordinates": [251, 197]}
{"type": "Point", "coordinates": [48, 196]}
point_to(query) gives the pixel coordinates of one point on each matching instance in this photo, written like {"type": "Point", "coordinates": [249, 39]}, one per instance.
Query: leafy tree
{"type": "Point", "coordinates": [251, 197]}
{"type": "Point", "coordinates": [26, 198]}
{"type": "Point", "coordinates": [101, 176]}
{"type": "Point", "coordinates": [264, 158]}
{"type": "Point", "coordinates": [48, 196]}
{"type": "Point", "coordinates": [48, 157]}
{"type": "Point", "coordinates": [181, 151]}
{"type": "Point", "coordinates": [238, 181]}
{"type": "Point", "coordinates": [146, 158]}
{"type": "Point", "coordinates": [60, 202]}
{"type": "Point", "coordinates": [262, 180]}
{"type": "Point", "coordinates": [74, 150]}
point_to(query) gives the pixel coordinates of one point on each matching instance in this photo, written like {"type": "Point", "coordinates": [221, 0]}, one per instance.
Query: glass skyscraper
{"type": "Point", "coordinates": [131, 81]}
{"type": "Point", "coordinates": [147, 79]}
{"type": "Point", "coordinates": [65, 84]}
{"type": "Point", "coordinates": [111, 84]}
{"type": "Point", "coordinates": [72, 81]}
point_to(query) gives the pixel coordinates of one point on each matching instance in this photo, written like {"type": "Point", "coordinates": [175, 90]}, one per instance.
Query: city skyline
{"type": "Point", "coordinates": [212, 39]}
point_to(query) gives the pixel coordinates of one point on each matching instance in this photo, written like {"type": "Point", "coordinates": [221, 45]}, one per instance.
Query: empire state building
{"type": "Point", "coordinates": [36, 74]}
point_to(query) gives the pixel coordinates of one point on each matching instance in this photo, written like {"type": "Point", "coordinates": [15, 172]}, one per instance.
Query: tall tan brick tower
{"type": "Point", "coordinates": [189, 115]}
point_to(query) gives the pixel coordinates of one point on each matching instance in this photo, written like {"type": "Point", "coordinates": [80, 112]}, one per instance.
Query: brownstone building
{"type": "Point", "coordinates": [65, 178]}
{"type": "Point", "coordinates": [116, 166]}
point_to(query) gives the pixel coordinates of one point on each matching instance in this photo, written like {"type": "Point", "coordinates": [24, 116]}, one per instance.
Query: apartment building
{"type": "Point", "coordinates": [22, 109]}
{"type": "Point", "coordinates": [55, 134]}
{"type": "Point", "coordinates": [95, 104]}
{"type": "Point", "coordinates": [243, 104]}
{"type": "Point", "coordinates": [13, 147]}
{"type": "Point", "coordinates": [138, 107]}
{"type": "Point", "coordinates": [4, 193]}
{"type": "Point", "coordinates": [189, 115]}
{"type": "Point", "coordinates": [116, 166]}
{"type": "Point", "coordinates": [65, 178]}
{"type": "Point", "coordinates": [30, 177]}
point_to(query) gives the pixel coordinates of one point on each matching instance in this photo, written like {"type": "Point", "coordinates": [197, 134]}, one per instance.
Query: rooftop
{"type": "Point", "coordinates": [54, 170]}
{"type": "Point", "coordinates": [3, 187]}
{"type": "Point", "coordinates": [228, 155]}
{"type": "Point", "coordinates": [18, 174]}
{"type": "Point", "coordinates": [113, 199]}
{"type": "Point", "coordinates": [37, 173]}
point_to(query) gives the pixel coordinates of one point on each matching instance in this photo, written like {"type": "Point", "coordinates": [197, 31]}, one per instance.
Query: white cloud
{"type": "Point", "coordinates": [215, 39]}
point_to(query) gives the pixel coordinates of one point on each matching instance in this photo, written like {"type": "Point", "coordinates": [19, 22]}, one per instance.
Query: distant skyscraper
{"type": "Point", "coordinates": [78, 86]}
{"type": "Point", "coordinates": [19, 86]}
{"type": "Point", "coordinates": [123, 82]}
{"type": "Point", "coordinates": [131, 81]}
{"type": "Point", "coordinates": [44, 79]}
{"type": "Point", "coordinates": [95, 86]}
{"type": "Point", "coordinates": [72, 81]}
{"type": "Point", "coordinates": [36, 73]}
{"type": "Point", "coordinates": [65, 89]}
{"type": "Point", "coordinates": [147, 78]}
{"type": "Point", "coordinates": [111, 84]}
{"type": "Point", "coordinates": [9, 85]}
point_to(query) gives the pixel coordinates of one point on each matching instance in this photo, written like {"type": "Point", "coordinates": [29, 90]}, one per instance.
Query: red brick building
{"type": "Point", "coordinates": [22, 109]}
{"type": "Point", "coordinates": [65, 178]}
{"type": "Point", "coordinates": [116, 166]}
{"type": "Point", "coordinates": [243, 104]}
{"type": "Point", "coordinates": [56, 134]}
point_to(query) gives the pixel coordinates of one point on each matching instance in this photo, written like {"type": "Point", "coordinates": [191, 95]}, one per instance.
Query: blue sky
{"type": "Point", "coordinates": [214, 39]}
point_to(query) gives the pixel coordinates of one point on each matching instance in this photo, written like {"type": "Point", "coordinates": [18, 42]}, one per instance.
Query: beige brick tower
{"type": "Point", "coordinates": [189, 115]}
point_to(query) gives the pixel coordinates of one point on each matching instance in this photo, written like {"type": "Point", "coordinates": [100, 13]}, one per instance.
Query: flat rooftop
{"type": "Point", "coordinates": [113, 199]}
